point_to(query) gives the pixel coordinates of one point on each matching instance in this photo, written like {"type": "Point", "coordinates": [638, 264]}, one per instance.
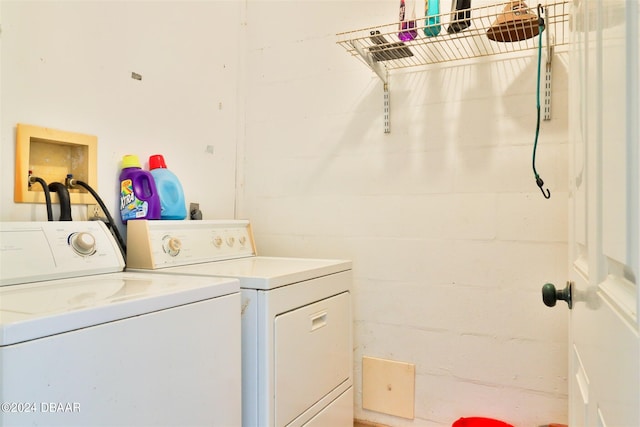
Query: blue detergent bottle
{"type": "Point", "coordinates": [172, 205]}
{"type": "Point", "coordinates": [138, 193]}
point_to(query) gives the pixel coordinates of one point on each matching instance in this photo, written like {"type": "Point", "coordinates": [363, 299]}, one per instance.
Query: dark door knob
{"type": "Point", "coordinates": [550, 294]}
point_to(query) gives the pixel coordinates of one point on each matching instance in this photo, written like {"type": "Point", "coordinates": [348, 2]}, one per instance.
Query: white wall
{"type": "Point", "coordinates": [67, 65]}
{"type": "Point", "coordinates": [450, 237]}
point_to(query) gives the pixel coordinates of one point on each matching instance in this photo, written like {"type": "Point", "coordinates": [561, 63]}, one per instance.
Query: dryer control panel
{"type": "Point", "coordinates": [160, 244]}
{"type": "Point", "coordinates": [36, 251]}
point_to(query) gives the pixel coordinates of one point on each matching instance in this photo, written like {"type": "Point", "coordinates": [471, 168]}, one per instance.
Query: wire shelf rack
{"type": "Point", "coordinates": [381, 48]}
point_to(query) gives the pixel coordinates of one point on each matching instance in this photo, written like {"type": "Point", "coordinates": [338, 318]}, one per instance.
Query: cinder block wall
{"type": "Point", "coordinates": [450, 237]}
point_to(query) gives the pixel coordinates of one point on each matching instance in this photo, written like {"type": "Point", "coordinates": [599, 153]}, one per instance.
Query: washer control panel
{"type": "Point", "coordinates": [158, 244]}
{"type": "Point", "coordinates": [35, 251]}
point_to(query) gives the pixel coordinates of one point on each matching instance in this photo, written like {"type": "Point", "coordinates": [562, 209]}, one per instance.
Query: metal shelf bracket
{"type": "Point", "coordinates": [378, 68]}
{"type": "Point", "coordinates": [387, 110]}
{"type": "Point", "coordinates": [383, 73]}
{"type": "Point", "coordinates": [547, 73]}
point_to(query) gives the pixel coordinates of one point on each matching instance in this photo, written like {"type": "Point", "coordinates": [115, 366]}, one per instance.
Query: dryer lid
{"type": "Point", "coordinates": [265, 273]}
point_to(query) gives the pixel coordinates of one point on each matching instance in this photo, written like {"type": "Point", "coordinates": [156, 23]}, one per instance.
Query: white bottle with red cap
{"type": "Point", "coordinates": [172, 205]}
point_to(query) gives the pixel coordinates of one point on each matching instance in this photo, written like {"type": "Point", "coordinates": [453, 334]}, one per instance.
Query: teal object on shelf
{"type": "Point", "coordinates": [432, 18]}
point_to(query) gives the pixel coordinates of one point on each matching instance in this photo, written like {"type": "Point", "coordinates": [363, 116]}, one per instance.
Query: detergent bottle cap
{"type": "Point", "coordinates": [157, 161]}
{"type": "Point", "coordinates": [130, 161]}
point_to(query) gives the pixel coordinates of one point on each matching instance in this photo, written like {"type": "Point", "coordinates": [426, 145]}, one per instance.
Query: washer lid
{"type": "Point", "coordinates": [37, 310]}
{"type": "Point", "coordinates": [265, 273]}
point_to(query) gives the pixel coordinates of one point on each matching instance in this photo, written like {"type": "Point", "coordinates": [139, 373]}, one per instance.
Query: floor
{"type": "Point", "coordinates": [361, 423]}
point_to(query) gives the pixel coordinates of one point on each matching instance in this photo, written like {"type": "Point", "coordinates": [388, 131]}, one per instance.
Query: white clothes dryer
{"type": "Point", "coordinates": [296, 317]}
{"type": "Point", "coordinates": [84, 344]}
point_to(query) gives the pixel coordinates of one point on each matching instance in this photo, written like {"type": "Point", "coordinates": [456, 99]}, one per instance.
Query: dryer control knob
{"type": "Point", "coordinates": [171, 245]}
{"type": "Point", "coordinates": [83, 243]}
{"type": "Point", "coordinates": [217, 241]}
{"type": "Point", "coordinates": [230, 241]}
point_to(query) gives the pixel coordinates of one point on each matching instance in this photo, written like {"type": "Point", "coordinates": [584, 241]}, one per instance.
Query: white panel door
{"type": "Point", "coordinates": [604, 355]}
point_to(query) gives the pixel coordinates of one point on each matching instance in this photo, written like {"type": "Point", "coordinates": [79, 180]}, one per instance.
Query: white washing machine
{"type": "Point", "coordinates": [296, 317]}
{"type": "Point", "coordinates": [84, 344]}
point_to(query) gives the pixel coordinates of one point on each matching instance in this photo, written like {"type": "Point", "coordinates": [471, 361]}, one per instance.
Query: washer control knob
{"type": "Point", "coordinates": [171, 245]}
{"type": "Point", "coordinates": [242, 240]}
{"type": "Point", "coordinates": [83, 243]}
{"type": "Point", "coordinates": [230, 241]}
{"type": "Point", "coordinates": [217, 241]}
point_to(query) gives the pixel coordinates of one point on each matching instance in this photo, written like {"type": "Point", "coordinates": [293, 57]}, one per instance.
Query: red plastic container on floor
{"type": "Point", "coordinates": [479, 422]}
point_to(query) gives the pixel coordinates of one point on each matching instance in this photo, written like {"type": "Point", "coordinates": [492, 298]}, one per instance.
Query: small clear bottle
{"type": "Point", "coordinates": [407, 28]}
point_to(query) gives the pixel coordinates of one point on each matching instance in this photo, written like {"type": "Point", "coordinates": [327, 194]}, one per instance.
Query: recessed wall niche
{"type": "Point", "coordinates": [52, 154]}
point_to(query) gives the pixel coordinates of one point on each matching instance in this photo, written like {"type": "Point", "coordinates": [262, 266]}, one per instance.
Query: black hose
{"type": "Point", "coordinates": [47, 194]}
{"type": "Point", "coordinates": [110, 222]}
{"type": "Point", "coordinates": [65, 200]}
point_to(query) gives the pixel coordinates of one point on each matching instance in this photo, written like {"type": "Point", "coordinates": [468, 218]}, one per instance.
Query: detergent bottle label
{"type": "Point", "coordinates": [130, 206]}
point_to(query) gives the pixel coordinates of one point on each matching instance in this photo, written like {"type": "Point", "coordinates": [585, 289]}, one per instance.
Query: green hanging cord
{"type": "Point", "coordinates": [539, 181]}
